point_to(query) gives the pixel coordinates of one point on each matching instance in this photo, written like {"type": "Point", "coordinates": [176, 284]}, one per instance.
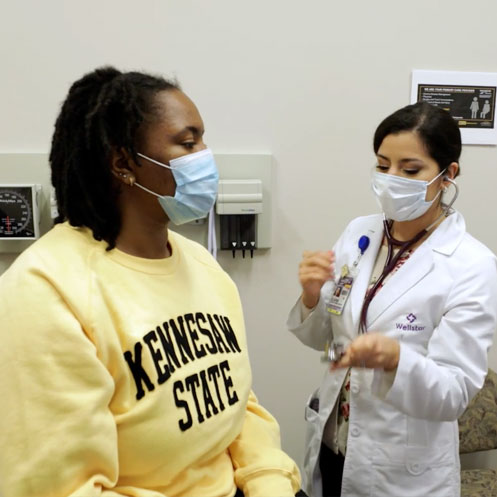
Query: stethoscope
{"type": "Point", "coordinates": [392, 259]}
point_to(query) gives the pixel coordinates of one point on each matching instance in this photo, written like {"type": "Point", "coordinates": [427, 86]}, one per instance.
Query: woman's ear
{"type": "Point", "coordinates": [121, 166]}
{"type": "Point", "coordinates": [451, 173]}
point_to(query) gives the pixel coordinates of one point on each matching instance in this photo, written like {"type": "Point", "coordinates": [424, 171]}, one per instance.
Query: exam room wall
{"type": "Point", "coordinates": [305, 81]}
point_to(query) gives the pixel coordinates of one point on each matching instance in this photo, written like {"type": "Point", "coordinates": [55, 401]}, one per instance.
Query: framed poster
{"type": "Point", "coordinates": [469, 97]}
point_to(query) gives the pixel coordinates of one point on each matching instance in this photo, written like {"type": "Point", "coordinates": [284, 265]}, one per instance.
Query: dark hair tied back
{"type": "Point", "coordinates": [103, 112]}
{"type": "Point", "coordinates": [437, 129]}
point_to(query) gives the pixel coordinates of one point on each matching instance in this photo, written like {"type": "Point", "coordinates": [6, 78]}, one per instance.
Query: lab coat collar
{"type": "Point", "coordinates": [449, 234]}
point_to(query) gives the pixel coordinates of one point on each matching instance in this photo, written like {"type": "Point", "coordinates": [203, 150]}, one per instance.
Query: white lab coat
{"type": "Point", "coordinates": [442, 307]}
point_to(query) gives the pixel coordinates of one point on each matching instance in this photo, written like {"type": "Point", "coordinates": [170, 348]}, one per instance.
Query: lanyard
{"type": "Point", "coordinates": [390, 264]}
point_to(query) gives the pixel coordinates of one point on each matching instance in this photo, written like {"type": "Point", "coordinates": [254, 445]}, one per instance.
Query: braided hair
{"type": "Point", "coordinates": [103, 112]}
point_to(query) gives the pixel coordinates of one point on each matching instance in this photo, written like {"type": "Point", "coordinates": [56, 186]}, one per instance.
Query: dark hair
{"type": "Point", "coordinates": [103, 112]}
{"type": "Point", "coordinates": [437, 129]}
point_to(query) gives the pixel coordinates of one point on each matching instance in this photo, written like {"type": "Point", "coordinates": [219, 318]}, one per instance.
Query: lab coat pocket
{"type": "Point", "coordinates": [313, 434]}
{"type": "Point", "coordinates": [414, 471]}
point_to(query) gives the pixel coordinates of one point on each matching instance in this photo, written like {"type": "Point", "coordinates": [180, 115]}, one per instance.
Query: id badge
{"type": "Point", "coordinates": [340, 293]}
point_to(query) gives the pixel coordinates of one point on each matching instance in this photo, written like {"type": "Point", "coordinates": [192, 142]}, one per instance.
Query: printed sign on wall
{"type": "Point", "coordinates": [469, 97]}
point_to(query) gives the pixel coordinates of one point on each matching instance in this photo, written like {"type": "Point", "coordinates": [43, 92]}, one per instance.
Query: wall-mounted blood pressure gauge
{"type": "Point", "coordinates": [19, 212]}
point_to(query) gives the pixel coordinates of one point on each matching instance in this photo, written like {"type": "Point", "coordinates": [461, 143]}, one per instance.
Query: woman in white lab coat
{"type": "Point", "coordinates": [407, 303]}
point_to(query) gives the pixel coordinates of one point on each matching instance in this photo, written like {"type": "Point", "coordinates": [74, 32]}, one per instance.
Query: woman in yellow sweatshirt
{"type": "Point", "coordinates": [126, 372]}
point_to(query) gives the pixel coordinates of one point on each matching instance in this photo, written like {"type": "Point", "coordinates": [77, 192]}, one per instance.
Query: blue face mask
{"type": "Point", "coordinates": [196, 179]}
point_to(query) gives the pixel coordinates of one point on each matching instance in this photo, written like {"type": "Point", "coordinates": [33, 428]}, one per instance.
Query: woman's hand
{"type": "Point", "coordinates": [371, 350]}
{"type": "Point", "coordinates": [315, 269]}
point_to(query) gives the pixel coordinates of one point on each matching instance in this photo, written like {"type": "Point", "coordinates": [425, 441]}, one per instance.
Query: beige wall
{"type": "Point", "coordinates": [305, 81]}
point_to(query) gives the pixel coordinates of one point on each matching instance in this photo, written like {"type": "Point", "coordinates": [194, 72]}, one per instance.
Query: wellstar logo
{"type": "Point", "coordinates": [410, 327]}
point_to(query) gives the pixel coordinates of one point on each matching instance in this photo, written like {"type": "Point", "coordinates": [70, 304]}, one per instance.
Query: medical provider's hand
{"type": "Point", "coordinates": [315, 269]}
{"type": "Point", "coordinates": [371, 350]}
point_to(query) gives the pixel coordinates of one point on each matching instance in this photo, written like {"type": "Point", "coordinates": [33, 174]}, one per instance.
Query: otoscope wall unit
{"type": "Point", "coordinates": [239, 201]}
{"type": "Point", "coordinates": [243, 205]}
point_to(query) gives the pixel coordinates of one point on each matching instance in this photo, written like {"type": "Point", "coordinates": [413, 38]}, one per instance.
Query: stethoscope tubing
{"type": "Point", "coordinates": [390, 264]}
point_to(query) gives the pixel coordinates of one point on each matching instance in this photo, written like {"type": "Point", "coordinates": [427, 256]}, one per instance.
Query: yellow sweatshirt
{"type": "Point", "coordinates": [123, 376]}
